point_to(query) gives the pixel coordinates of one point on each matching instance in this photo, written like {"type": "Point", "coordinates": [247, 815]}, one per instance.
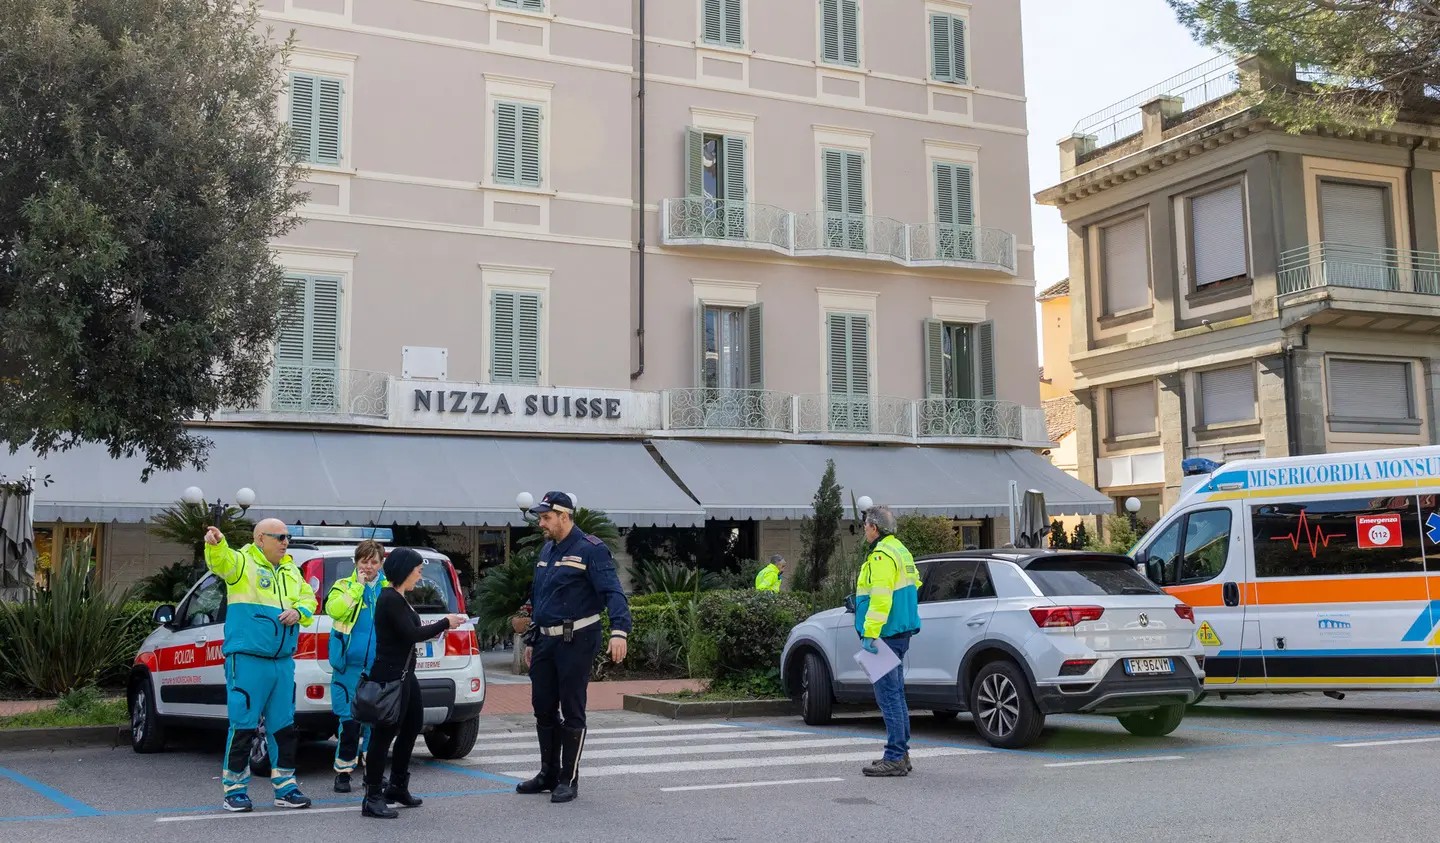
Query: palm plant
{"type": "Point", "coordinates": [592, 521]}
{"type": "Point", "coordinates": [653, 577]}
{"type": "Point", "coordinates": [186, 523]}
{"type": "Point", "coordinates": [502, 592]}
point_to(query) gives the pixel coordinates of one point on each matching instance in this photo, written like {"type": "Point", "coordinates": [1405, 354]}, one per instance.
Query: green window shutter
{"type": "Point", "coordinates": [512, 4]}
{"type": "Point", "coordinates": [859, 354]}
{"type": "Point", "coordinates": [290, 346]}
{"type": "Point", "coordinates": [714, 21]}
{"type": "Point", "coordinates": [694, 162]}
{"type": "Point", "coordinates": [957, 46]}
{"type": "Point", "coordinates": [830, 31]}
{"type": "Point", "coordinates": [527, 337]}
{"type": "Point", "coordinates": [530, 117]}
{"type": "Point", "coordinates": [854, 183]}
{"type": "Point", "coordinates": [985, 360]}
{"type": "Point", "coordinates": [502, 337]}
{"type": "Point", "coordinates": [507, 142]}
{"type": "Point", "coordinates": [329, 101]}
{"type": "Point", "coordinates": [733, 151]}
{"type": "Point", "coordinates": [964, 194]}
{"type": "Point", "coordinates": [838, 352]}
{"type": "Point", "coordinates": [834, 181]}
{"type": "Point", "coordinates": [954, 211]}
{"type": "Point", "coordinates": [934, 342]}
{"type": "Point", "coordinates": [302, 116]}
{"type": "Point", "coordinates": [754, 347]}
{"type": "Point", "coordinates": [533, 5]}
{"type": "Point", "coordinates": [323, 360]}
{"type": "Point", "coordinates": [942, 54]}
{"type": "Point", "coordinates": [700, 344]}
{"type": "Point", "coordinates": [849, 32]}
{"type": "Point", "coordinates": [945, 194]}
{"type": "Point", "coordinates": [734, 9]}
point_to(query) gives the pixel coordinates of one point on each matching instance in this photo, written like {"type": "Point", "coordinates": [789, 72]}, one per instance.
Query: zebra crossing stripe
{"type": "Point", "coordinates": [736, 763]}
{"type": "Point", "coordinates": [700, 749]}
{"type": "Point", "coordinates": [614, 730]}
{"type": "Point", "coordinates": [765, 736]}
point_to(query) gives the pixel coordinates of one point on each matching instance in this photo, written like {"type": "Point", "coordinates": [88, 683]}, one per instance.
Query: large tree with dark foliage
{"type": "Point", "coordinates": [1362, 61]}
{"type": "Point", "coordinates": [144, 171]}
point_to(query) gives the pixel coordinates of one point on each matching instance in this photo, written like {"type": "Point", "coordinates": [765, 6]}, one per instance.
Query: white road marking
{"type": "Point", "coordinates": [698, 749]}
{"type": "Point", "coordinates": [1387, 743]}
{"type": "Point", "coordinates": [1116, 760]}
{"type": "Point", "coordinates": [748, 784]}
{"type": "Point", "coordinates": [735, 763]}
{"type": "Point", "coordinates": [254, 815]}
{"type": "Point", "coordinates": [774, 736]}
{"type": "Point", "coordinates": [683, 727]}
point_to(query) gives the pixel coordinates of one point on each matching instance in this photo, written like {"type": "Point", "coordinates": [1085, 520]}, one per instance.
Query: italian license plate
{"type": "Point", "coordinates": [1148, 667]}
{"type": "Point", "coordinates": [425, 651]}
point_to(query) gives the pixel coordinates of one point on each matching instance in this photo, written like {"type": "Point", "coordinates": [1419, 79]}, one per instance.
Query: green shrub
{"type": "Point", "coordinates": [742, 579]}
{"type": "Point", "coordinates": [170, 583]}
{"type": "Point", "coordinates": [68, 633]}
{"type": "Point", "coordinates": [749, 628]}
{"type": "Point", "coordinates": [659, 598]}
{"type": "Point", "coordinates": [652, 577]}
{"type": "Point", "coordinates": [924, 535]}
{"type": "Point", "coordinates": [1119, 536]}
{"type": "Point", "coordinates": [502, 592]}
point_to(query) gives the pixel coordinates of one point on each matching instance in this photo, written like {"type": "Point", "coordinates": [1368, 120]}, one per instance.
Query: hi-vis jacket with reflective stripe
{"type": "Point", "coordinates": [768, 579]}
{"type": "Point", "coordinates": [351, 607]}
{"type": "Point", "coordinates": [257, 594]}
{"type": "Point", "coordinates": [887, 593]}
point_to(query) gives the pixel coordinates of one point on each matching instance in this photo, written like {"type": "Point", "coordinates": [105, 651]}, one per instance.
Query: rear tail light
{"type": "Point", "coordinates": [309, 645]}
{"type": "Point", "coordinates": [475, 686]}
{"type": "Point", "coordinates": [315, 692]}
{"type": "Point", "coordinates": [1076, 667]}
{"type": "Point", "coordinates": [461, 642]}
{"type": "Point", "coordinates": [1185, 612]}
{"type": "Point", "coordinates": [1054, 617]}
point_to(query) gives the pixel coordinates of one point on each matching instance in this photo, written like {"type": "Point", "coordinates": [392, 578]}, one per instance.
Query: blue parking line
{"type": "Point", "coordinates": [69, 803]}
{"type": "Point", "coordinates": [467, 771]}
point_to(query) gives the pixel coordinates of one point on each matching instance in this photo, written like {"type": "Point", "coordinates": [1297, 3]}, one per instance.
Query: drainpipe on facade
{"type": "Point", "coordinates": [1292, 412]}
{"type": "Point", "coordinates": [640, 96]}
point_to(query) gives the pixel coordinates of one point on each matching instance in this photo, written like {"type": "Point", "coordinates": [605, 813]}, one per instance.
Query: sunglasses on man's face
{"type": "Point", "coordinates": [279, 537]}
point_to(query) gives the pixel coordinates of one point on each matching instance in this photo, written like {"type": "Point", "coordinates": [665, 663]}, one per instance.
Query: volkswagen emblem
{"type": "Point", "coordinates": [1144, 619]}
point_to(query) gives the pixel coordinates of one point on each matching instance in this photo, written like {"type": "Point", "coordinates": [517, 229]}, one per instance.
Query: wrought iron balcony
{"type": "Point", "coordinates": [323, 391]}
{"type": "Point", "coordinates": [729, 409]}
{"type": "Point", "coordinates": [875, 415]}
{"type": "Point", "coordinates": [961, 417]}
{"type": "Point", "coordinates": [702, 221]}
{"type": "Point", "coordinates": [1331, 264]}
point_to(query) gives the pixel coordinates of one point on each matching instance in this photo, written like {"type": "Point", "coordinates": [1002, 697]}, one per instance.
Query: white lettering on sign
{"type": "Point", "coordinates": [213, 653]}
{"type": "Point", "coordinates": [1349, 472]}
{"type": "Point", "coordinates": [184, 657]}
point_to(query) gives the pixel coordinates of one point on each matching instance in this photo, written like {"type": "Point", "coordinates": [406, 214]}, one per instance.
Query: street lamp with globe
{"type": "Point", "coordinates": [1132, 506]}
{"type": "Point", "coordinates": [244, 498]}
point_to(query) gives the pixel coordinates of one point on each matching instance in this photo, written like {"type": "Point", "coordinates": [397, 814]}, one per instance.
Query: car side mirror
{"type": "Point", "coordinates": [164, 615]}
{"type": "Point", "coordinates": [850, 604]}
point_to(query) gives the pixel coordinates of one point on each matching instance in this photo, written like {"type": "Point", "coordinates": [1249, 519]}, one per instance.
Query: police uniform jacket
{"type": "Point", "coordinates": [575, 578]}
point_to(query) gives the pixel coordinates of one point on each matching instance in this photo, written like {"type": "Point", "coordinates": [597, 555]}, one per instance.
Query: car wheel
{"type": "Point", "coordinates": [453, 740]}
{"type": "Point", "coordinates": [147, 733]}
{"type": "Point", "coordinates": [816, 703]}
{"type": "Point", "coordinates": [1003, 708]}
{"type": "Point", "coordinates": [944, 715]}
{"type": "Point", "coordinates": [1153, 724]}
{"type": "Point", "coordinates": [260, 753]}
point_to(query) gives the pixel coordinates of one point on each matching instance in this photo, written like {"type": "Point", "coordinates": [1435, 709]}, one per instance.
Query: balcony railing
{"type": "Point", "coordinates": [729, 409]}
{"type": "Point", "coordinates": [878, 415]}
{"type": "Point", "coordinates": [968, 417]}
{"type": "Point", "coordinates": [712, 222]}
{"type": "Point", "coordinates": [1359, 267]}
{"type": "Point", "coordinates": [1201, 84]}
{"type": "Point", "coordinates": [321, 390]}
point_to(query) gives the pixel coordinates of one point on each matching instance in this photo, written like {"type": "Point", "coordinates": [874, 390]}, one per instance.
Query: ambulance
{"type": "Point", "coordinates": [1311, 573]}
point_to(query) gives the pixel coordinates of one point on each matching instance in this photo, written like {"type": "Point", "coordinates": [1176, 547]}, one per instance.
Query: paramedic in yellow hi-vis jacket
{"type": "Point", "coordinates": [769, 577]}
{"type": "Point", "coordinates": [267, 604]}
{"type": "Point", "coordinates": [351, 607]}
{"type": "Point", "coordinates": [887, 607]}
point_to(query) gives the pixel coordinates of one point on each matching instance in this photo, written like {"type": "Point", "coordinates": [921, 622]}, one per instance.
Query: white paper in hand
{"type": "Point", "coordinates": [879, 663]}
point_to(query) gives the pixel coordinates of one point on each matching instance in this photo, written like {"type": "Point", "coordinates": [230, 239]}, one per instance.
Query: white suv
{"type": "Point", "coordinates": [1013, 635]}
{"type": "Point", "coordinates": [179, 674]}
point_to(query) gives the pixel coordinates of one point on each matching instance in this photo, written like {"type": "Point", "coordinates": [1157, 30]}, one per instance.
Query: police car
{"type": "Point", "coordinates": [178, 679]}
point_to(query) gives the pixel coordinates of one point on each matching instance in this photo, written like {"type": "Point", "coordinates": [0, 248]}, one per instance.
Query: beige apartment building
{"type": "Point", "coordinates": [1240, 291]}
{"type": "Point", "coordinates": [668, 256]}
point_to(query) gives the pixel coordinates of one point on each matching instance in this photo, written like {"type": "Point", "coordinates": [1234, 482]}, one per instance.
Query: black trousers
{"type": "Point", "coordinates": [560, 676]}
{"type": "Point", "coordinates": [402, 734]}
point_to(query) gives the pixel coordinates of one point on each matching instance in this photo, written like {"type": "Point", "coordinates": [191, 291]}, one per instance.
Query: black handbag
{"type": "Point", "coordinates": [378, 703]}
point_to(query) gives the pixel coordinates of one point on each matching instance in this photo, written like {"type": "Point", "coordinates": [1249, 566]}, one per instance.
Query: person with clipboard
{"type": "Point", "coordinates": [887, 614]}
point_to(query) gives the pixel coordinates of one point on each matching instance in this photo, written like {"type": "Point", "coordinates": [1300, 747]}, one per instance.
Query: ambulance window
{"type": "Point", "coordinates": [1207, 545]}
{"type": "Point", "coordinates": [206, 605]}
{"type": "Point", "coordinates": [1164, 554]}
{"type": "Point", "coordinates": [1343, 537]}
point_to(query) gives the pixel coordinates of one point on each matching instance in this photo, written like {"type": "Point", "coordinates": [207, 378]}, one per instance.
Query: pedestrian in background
{"type": "Point", "coordinates": [769, 577]}
{"type": "Point", "coordinates": [887, 607]}
{"type": "Point", "coordinates": [397, 630]}
{"type": "Point", "coordinates": [268, 602]}
{"type": "Point", "coordinates": [574, 579]}
{"type": "Point", "coordinates": [351, 607]}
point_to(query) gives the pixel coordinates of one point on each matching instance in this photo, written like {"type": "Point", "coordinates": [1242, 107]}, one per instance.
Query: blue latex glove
{"type": "Point", "coordinates": [869, 644]}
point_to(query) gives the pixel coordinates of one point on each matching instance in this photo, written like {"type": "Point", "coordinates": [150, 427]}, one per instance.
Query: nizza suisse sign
{"type": "Point", "coordinates": [508, 407]}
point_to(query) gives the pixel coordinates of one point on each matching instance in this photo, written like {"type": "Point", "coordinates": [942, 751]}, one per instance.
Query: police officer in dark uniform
{"type": "Point", "coordinates": [574, 580]}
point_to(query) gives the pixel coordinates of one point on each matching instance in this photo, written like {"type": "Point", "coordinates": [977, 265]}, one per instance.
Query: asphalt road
{"type": "Point", "coordinates": [1273, 769]}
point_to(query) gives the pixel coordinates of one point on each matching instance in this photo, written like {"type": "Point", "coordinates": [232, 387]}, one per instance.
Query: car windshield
{"type": "Point", "coordinates": [1063, 577]}
{"type": "Point", "coordinates": [435, 593]}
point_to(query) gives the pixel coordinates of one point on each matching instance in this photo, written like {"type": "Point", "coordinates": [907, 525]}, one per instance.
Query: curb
{"type": "Point", "coordinates": [677, 710]}
{"type": "Point", "coordinates": [57, 737]}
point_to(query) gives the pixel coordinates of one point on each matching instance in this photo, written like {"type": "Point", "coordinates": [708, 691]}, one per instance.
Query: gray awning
{"type": "Point", "coordinates": [345, 478]}
{"type": "Point", "coordinates": [744, 480]}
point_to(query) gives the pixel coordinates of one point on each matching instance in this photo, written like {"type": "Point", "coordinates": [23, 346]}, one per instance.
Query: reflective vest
{"type": "Point", "coordinates": [887, 592]}
{"type": "Point", "coordinates": [768, 579]}
{"type": "Point", "coordinates": [351, 607]}
{"type": "Point", "coordinates": [257, 593]}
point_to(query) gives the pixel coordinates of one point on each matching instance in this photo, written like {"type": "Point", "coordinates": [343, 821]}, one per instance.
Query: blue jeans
{"type": "Point", "coordinates": [890, 694]}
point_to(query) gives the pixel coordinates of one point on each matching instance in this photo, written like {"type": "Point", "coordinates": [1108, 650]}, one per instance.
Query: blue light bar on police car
{"type": "Point", "coordinates": [384, 535]}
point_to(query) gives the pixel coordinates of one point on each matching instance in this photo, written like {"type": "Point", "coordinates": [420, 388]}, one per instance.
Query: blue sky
{"type": "Point", "coordinates": [1081, 56]}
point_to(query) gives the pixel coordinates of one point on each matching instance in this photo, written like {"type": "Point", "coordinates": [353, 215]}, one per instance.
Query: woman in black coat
{"type": "Point", "coordinates": [397, 630]}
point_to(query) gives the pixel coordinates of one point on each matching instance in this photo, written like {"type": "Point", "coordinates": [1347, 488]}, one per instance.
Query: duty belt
{"type": "Point", "coordinates": [568, 628]}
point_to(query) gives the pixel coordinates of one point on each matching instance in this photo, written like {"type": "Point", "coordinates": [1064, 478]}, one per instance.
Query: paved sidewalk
{"type": "Point", "coordinates": [602, 696]}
